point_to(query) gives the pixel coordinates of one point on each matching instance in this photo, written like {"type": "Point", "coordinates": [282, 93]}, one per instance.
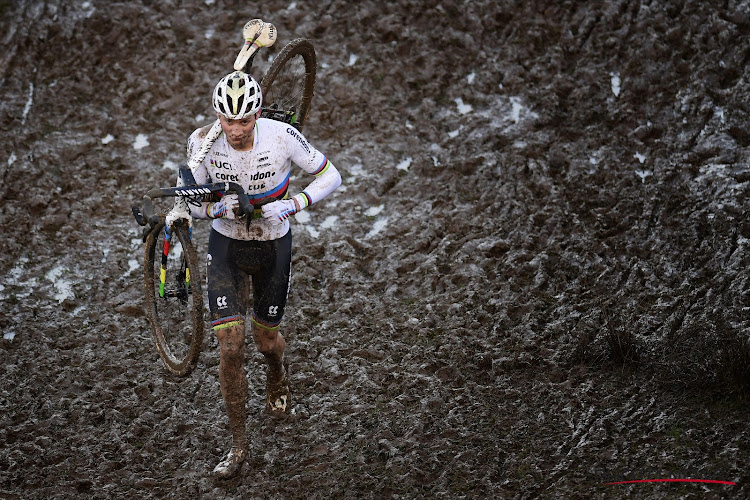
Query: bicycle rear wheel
{"type": "Point", "coordinates": [290, 83]}
{"type": "Point", "coordinates": [174, 297]}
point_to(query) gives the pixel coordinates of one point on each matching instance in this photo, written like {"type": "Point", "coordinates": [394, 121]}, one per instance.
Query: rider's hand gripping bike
{"type": "Point", "coordinates": [173, 282]}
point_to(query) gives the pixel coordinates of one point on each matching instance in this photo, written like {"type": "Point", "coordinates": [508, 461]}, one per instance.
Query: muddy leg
{"type": "Point", "coordinates": [233, 382]}
{"type": "Point", "coordinates": [272, 344]}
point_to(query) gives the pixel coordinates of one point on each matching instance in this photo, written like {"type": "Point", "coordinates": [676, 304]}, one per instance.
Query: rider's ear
{"type": "Point", "coordinates": [257, 114]}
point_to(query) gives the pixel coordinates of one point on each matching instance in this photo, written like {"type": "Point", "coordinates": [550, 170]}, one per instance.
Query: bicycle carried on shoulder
{"type": "Point", "coordinates": [173, 283]}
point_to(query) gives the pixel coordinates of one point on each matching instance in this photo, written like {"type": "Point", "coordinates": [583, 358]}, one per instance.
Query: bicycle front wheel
{"type": "Point", "coordinates": [174, 297]}
{"type": "Point", "coordinates": [290, 82]}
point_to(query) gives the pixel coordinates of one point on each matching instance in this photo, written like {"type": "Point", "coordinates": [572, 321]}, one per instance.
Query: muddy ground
{"type": "Point", "coordinates": [531, 282]}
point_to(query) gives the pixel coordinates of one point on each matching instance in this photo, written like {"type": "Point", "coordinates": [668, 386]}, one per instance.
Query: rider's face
{"type": "Point", "coordinates": [239, 133]}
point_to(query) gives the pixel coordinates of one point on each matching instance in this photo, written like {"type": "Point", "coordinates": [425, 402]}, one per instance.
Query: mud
{"type": "Point", "coordinates": [531, 282]}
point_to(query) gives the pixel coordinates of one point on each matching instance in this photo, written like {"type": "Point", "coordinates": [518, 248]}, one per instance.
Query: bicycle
{"type": "Point", "coordinates": [173, 284]}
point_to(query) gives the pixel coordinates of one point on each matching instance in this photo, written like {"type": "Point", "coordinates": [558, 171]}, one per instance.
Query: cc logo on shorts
{"type": "Point", "coordinates": [221, 302]}
{"type": "Point", "coordinates": [273, 310]}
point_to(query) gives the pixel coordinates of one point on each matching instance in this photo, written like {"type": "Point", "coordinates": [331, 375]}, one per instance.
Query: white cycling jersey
{"type": "Point", "coordinates": [264, 174]}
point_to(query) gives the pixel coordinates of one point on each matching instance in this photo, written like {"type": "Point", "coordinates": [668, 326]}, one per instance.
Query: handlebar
{"type": "Point", "coordinates": [144, 214]}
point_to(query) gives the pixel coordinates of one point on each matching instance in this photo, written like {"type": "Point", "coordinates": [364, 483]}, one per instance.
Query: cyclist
{"type": "Point", "coordinates": [256, 153]}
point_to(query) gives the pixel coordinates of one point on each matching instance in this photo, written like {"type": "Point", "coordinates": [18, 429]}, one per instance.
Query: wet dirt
{"type": "Point", "coordinates": [531, 282]}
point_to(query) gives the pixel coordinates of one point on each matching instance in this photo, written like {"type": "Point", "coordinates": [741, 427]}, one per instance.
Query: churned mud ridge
{"type": "Point", "coordinates": [531, 282]}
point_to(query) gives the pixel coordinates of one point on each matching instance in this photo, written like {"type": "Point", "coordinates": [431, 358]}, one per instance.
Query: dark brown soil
{"type": "Point", "coordinates": [533, 281]}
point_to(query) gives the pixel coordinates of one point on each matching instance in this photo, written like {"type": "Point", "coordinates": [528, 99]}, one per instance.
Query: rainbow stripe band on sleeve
{"type": "Point", "coordinates": [323, 167]}
{"type": "Point", "coordinates": [220, 324]}
{"type": "Point", "coordinates": [304, 200]}
{"type": "Point", "coordinates": [268, 326]}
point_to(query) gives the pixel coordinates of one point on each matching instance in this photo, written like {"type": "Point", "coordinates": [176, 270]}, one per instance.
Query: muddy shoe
{"type": "Point", "coordinates": [231, 465]}
{"type": "Point", "coordinates": [278, 395]}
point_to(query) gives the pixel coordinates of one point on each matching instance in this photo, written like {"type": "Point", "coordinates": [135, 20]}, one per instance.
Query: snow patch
{"type": "Point", "coordinates": [404, 165]}
{"type": "Point", "coordinates": [12, 158]}
{"type": "Point", "coordinates": [133, 264]}
{"type": "Point", "coordinates": [88, 9]}
{"type": "Point", "coordinates": [379, 225]}
{"type": "Point", "coordinates": [141, 141]}
{"type": "Point", "coordinates": [29, 102]}
{"type": "Point", "coordinates": [169, 164]}
{"type": "Point", "coordinates": [64, 287]}
{"type": "Point", "coordinates": [373, 211]}
{"type": "Point", "coordinates": [643, 174]}
{"type": "Point", "coordinates": [463, 108]}
{"type": "Point", "coordinates": [614, 80]}
{"type": "Point", "coordinates": [470, 77]}
{"type": "Point", "coordinates": [516, 108]}
{"type": "Point", "coordinates": [355, 171]}
{"type": "Point", "coordinates": [329, 222]}
{"type": "Point", "coordinates": [107, 139]}
{"type": "Point", "coordinates": [352, 59]}
{"type": "Point", "coordinates": [13, 278]}
{"type": "Point", "coordinates": [17, 271]}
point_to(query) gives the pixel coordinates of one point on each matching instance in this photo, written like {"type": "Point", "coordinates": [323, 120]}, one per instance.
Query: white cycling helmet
{"type": "Point", "coordinates": [237, 96]}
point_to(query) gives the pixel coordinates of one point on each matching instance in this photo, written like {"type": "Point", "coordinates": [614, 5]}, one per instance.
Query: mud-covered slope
{"type": "Point", "coordinates": [531, 281]}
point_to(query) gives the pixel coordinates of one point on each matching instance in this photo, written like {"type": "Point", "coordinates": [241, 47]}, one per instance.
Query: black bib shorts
{"type": "Point", "coordinates": [232, 264]}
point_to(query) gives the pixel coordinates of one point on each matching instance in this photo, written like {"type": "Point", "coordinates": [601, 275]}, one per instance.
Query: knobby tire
{"type": "Point", "coordinates": [177, 322]}
{"type": "Point", "coordinates": [290, 81]}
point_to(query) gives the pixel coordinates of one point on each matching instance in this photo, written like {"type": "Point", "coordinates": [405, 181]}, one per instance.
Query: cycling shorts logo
{"type": "Point", "coordinates": [296, 135]}
{"type": "Point", "coordinates": [273, 310]}
{"type": "Point", "coordinates": [221, 302]}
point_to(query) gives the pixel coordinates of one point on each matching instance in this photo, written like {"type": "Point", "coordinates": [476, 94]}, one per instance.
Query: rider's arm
{"type": "Point", "coordinates": [312, 161]}
{"type": "Point", "coordinates": [204, 210]}
{"type": "Point", "coordinates": [327, 179]}
{"type": "Point", "coordinates": [326, 176]}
